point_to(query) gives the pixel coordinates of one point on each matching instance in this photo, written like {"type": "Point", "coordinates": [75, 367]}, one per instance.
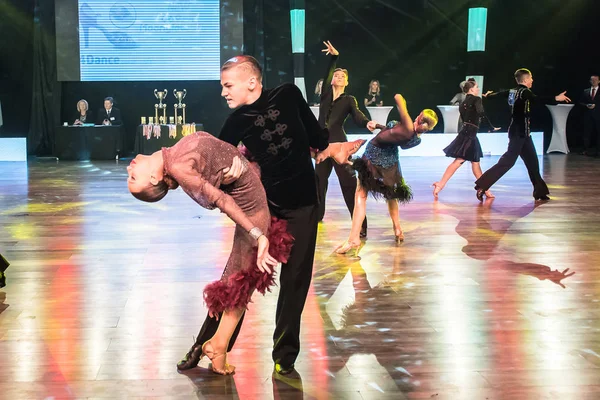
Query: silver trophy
{"type": "Point", "coordinates": [179, 95]}
{"type": "Point", "coordinates": [160, 96]}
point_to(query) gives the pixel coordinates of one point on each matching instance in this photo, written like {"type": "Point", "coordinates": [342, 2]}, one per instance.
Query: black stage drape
{"type": "Point", "coordinates": [45, 102]}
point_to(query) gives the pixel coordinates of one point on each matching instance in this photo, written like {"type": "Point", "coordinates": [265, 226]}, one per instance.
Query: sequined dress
{"type": "Point", "coordinates": [196, 163]}
{"type": "Point", "coordinates": [378, 169]}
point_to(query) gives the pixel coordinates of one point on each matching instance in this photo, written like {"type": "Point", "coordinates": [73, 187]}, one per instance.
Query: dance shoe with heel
{"type": "Point", "coordinates": [222, 368]}
{"type": "Point", "coordinates": [437, 188]}
{"type": "Point", "coordinates": [350, 248]}
{"type": "Point", "coordinates": [399, 236]}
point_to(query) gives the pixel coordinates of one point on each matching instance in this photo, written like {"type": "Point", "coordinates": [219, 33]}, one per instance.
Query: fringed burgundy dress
{"type": "Point", "coordinates": [196, 163]}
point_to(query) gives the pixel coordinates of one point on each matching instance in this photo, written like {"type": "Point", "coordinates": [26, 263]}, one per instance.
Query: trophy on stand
{"type": "Point", "coordinates": [160, 96]}
{"type": "Point", "coordinates": [179, 95]}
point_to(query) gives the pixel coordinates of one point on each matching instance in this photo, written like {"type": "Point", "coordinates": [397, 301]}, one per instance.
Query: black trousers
{"type": "Point", "coordinates": [294, 282]}
{"type": "Point", "coordinates": [347, 184]}
{"type": "Point", "coordinates": [517, 146]}
{"type": "Point", "coordinates": [591, 129]}
{"type": "Point", "coordinates": [3, 266]}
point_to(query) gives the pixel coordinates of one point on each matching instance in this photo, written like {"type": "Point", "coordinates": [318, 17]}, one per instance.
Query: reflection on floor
{"type": "Point", "coordinates": [104, 293]}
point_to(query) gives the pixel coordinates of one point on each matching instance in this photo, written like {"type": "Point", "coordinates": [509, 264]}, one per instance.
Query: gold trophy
{"type": "Point", "coordinates": [160, 96]}
{"type": "Point", "coordinates": [179, 95]}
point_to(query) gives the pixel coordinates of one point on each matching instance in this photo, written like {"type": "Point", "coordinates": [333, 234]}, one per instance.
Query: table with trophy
{"type": "Point", "coordinates": [157, 132]}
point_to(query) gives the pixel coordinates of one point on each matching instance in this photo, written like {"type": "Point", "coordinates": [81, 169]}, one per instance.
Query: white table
{"type": "Point", "coordinates": [315, 110]}
{"type": "Point", "coordinates": [450, 115]}
{"type": "Point", "coordinates": [432, 144]}
{"type": "Point", "coordinates": [559, 113]}
{"type": "Point", "coordinates": [379, 115]}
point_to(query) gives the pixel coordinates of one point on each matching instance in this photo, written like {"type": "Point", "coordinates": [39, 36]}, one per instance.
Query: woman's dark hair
{"type": "Point", "coordinates": [153, 193]}
{"type": "Point", "coordinates": [469, 84]}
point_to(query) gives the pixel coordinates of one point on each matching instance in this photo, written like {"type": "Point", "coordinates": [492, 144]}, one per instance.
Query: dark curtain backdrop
{"type": "Point", "coordinates": [16, 71]}
{"type": "Point", "coordinates": [46, 90]}
{"type": "Point", "coordinates": [415, 48]}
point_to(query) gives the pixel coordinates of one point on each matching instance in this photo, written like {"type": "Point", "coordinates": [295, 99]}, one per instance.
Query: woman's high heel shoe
{"type": "Point", "coordinates": [399, 237]}
{"type": "Point", "coordinates": [212, 356]}
{"type": "Point", "coordinates": [350, 247]}
{"type": "Point", "coordinates": [437, 188]}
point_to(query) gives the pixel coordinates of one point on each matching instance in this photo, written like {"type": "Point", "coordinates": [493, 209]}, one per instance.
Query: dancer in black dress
{"type": "Point", "coordinates": [379, 170]}
{"type": "Point", "coordinates": [466, 146]}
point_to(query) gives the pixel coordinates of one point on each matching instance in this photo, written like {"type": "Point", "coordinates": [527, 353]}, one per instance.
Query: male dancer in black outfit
{"type": "Point", "coordinates": [334, 108]}
{"type": "Point", "coordinates": [519, 137]}
{"type": "Point", "coordinates": [278, 128]}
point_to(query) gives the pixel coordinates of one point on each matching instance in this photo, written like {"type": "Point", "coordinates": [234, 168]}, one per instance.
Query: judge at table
{"type": "Point", "coordinates": [84, 115]}
{"type": "Point", "coordinates": [109, 115]}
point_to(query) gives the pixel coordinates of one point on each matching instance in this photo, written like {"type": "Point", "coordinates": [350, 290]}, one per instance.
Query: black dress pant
{"type": "Point", "coordinates": [591, 130]}
{"type": "Point", "coordinates": [517, 146]}
{"type": "Point", "coordinates": [294, 281]}
{"type": "Point", "coordinates": [3, 266]}
{"type": "Point", "coordinates": [347, 184]}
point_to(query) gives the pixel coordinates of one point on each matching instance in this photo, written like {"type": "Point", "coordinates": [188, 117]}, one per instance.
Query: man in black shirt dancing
{"type": "Point", "coordinates": [279, 129]}
{"type": "Point", "coordinates": [519, 137]}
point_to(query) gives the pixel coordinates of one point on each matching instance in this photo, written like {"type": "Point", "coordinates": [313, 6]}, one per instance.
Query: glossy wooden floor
{"type": "Point", "coordinates": [104, 292]}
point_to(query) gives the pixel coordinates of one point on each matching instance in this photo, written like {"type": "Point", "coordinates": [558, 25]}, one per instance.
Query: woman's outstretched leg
{"type": "Point", "coordinates": [477, 172]}
{"type": "Point", "coordinates": [452, 168]}
{"type": "Point", "coordinates": [395, 216]}
{"type": "Point", "coordinates": [358, 216]}
{"type": "Point", "coordinates": [216, 347]}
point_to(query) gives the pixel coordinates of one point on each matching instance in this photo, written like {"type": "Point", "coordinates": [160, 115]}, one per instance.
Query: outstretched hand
{"type": "Point", "coordinates": [557, 276]}
{"type": "Point", "coordinates": [329, 49]}
{"type": "Point", "coordinates": [486, 94]}
{"type": "Point", "coordinates": [371, 125]}
{"type": "Point", "coordinates": [562, 97]}
{"type": "Point", "coordinates": [264, 261]}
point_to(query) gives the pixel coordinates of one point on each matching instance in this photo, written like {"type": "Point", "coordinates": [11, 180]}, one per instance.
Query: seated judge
{"type": "Point", "coordinates": [109, 115]}
{"type": "Point", "coordinates": [84, 115]}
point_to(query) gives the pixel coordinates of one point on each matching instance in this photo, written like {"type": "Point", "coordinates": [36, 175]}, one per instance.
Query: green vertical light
{"type": "Point", "coordinates": [477, 29]}
{"type": "Point", "coordinates": [297, 24]}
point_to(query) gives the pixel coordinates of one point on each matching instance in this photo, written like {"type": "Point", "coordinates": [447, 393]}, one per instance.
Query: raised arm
{"type": "Point", "coordinates": [329, 50]}
{"type": "Point", "coordinates": [500, 94]}
{"type": "Point", "coordinates": [405, 118]}
{"type": "Point", "coordinates": [529, 95]}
